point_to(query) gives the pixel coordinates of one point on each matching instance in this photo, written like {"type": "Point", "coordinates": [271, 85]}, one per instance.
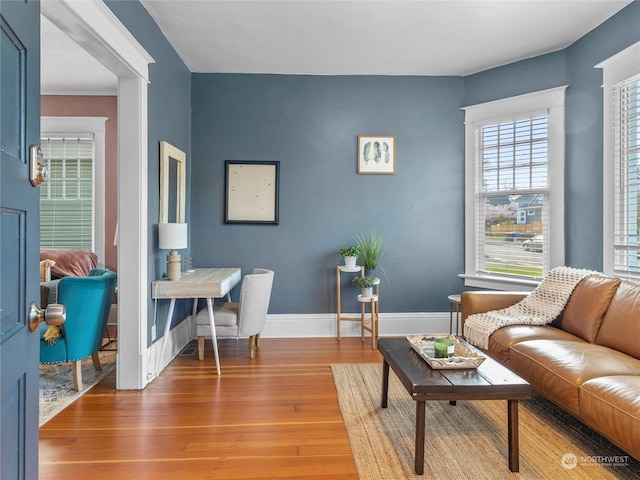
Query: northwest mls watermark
{"type": "Point", "coordinates": [571, 461]}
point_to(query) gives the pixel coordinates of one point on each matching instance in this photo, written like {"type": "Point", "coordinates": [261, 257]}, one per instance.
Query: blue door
{"type": "Point", "coordinates": [19, 237]}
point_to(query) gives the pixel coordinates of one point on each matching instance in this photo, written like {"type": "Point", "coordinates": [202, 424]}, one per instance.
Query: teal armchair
{"type": "Point", "coordinates": [88, 302]}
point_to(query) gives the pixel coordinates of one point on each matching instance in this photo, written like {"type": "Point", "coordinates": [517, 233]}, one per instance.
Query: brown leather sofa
{"type": "Point", "coordinates": [587, 361]}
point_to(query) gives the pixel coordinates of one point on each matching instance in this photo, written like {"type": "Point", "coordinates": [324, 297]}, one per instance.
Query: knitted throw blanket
{"type": "Point", "coordinates": [540, 307]}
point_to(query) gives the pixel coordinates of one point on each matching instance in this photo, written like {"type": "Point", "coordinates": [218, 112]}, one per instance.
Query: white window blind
{"type": "Point", "coordinates": [512, 197]}
{"type": "Point", "coordinates": [67, 197]}
{"type": "Point", "coordinates": [514, 190]}
{"type": "Point", "coordinates": [626, 144]}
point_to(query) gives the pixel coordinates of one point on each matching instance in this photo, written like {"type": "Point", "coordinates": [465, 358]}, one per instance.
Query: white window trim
{"type": "Point", "coordinates": [615, 69]}
{"type": "Point", "coordinates": [551, 101]}
{"type": "Point", "coordinates": [74, 126]}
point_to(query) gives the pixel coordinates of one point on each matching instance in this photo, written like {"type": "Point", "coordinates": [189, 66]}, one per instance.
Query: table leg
{"type": "Point", "coordinates": [167, 327]}
{"type": "Point", "coordinates": [514, 447]}
{"type": "Point", "coordinates": [214, 339]}
{"type": "Point", "coordinates": [419, 463]}
{"type": "Point", "coordinates": [362, 320]}
{"type": "Point", "coordinates": [385, 384]}
{"type": "Point", "coordinates": [374, 324]}
{"type": "Point", "coordinates": [194, 312]}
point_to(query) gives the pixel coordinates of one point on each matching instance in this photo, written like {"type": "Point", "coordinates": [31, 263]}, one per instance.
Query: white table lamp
{"type": "Point", "coordinates": [172, 236]}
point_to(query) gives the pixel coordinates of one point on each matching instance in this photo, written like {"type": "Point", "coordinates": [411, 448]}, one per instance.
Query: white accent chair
{"type": "Point", "coordinates": [245, 318]}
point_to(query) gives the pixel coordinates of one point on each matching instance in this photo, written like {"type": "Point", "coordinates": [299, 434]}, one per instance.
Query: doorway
{"type": "Point", "coordinates": [99, 32]}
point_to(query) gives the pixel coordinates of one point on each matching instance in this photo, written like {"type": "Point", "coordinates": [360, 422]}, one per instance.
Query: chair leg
{"type": "Point", "coordinates": [77, 375]}
{"type": "Point", "coordinates": [96, 361]}
{"type": "Point", "coordinates": [257, 340]}
{"type": "Point", "coordinates": [200, 347]}
{"type": "Point", "coordinates": [252, 344]}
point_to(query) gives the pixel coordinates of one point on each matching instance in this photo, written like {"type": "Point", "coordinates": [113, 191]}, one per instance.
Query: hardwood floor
{"type": "Point", "coordinates": [274, 417]}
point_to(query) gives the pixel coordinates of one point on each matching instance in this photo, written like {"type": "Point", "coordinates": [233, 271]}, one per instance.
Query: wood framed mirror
{"type": "Point", "coordinates": [172, 183]}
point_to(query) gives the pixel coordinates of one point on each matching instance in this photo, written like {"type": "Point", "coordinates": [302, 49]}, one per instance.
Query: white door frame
{"type": "Point", "coordinates": [96, 29]}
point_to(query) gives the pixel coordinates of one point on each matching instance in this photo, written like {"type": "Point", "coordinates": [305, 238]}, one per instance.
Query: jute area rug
{"type": "Point", "coordinates": [467, 440]}
{"type": "Point", "coordinates": [56, 383]}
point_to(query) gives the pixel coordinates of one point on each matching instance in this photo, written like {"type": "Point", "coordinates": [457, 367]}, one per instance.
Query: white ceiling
{"type": "Point", "coordinates": [348, 37]}
{"type": "Point", "coordinates": [65, 68]}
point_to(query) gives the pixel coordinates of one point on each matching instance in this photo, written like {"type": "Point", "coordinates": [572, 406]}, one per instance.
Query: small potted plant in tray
{"type": "Point", "coordinates": [350, 255]}
{"type": "Point", "coordinates": [366, 283]}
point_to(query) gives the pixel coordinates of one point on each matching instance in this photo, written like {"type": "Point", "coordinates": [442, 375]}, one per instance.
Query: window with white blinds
{"type": "Point", "coordinates": [626, 191]}
{"type": "Point", "coordinates": [514, 190]}
{"type": "Point", "coordinates": [511, 193]}
{"type": "Point", "coordinates": [67, 197]}
{"type": "Point", "coordinates": [621, 156]}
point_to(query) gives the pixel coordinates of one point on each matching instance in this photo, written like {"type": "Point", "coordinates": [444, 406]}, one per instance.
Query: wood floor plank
{"type": "Point", "coordinates": [276, 416]}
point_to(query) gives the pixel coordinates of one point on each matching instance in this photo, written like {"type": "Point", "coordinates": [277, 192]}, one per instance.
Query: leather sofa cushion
{"type": "Point", "coordinates": [587, 306]}
{"type": "Point", "coordinates": [613, 404]}
{"type": "Point", "coordinates": [620, 328]}
{"type": "Point", "coordinates": [501, 340]}
{"type": "Point", "coordinates": [558, 367]}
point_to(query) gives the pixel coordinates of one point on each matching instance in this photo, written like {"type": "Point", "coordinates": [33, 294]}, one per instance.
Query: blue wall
{"type": "Point", "coordinates": [574, 67]}
{"type": "Point", "coordinates": [584, 140]}
{"type": "Point", "coordinates": [311, 125]}
{"type": "Point", "coordinates": [169, 116]}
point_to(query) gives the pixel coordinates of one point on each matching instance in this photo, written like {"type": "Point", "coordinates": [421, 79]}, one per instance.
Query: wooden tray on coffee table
{"type": "Point", "coordinates": [463, 356]}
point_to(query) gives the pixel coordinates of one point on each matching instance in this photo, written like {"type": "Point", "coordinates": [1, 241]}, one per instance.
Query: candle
{"type": "Point", "coordinates": [443, 347]}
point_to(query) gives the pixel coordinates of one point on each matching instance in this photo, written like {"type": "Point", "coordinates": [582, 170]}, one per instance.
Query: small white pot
{"type": "Point", "coordinates": [350, 262]}
{"type": "Point", "coordinates": [367, 292]}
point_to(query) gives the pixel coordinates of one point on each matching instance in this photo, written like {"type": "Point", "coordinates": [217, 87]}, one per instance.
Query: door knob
{"type": "Point", "coordinates": [54, 314]}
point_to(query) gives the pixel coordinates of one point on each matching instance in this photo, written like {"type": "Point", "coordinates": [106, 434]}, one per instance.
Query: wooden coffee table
{"type": "Point", "coordinates": [490, 381]}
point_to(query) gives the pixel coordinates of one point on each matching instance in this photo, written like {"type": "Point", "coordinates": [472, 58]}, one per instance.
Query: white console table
{"type": "Point", "coordinates": [207, 283]}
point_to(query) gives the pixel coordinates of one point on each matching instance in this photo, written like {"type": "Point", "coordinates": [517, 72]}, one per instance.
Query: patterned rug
{"type": "Point", "coordinates": [56, 383]}
{"type": "Point", "coordinates": [468, 440]}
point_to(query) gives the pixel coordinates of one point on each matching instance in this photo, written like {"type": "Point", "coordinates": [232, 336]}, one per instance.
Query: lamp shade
{"type": "Point", "coordinates": [172, 236]}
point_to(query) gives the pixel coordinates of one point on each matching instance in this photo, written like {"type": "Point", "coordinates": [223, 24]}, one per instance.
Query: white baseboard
{"type": "Point", "coordinates": [177, 339]}
{"type": "Point", "coordinates": [305, 326]}
{"type": "Point", "coordinates": [324, 325]}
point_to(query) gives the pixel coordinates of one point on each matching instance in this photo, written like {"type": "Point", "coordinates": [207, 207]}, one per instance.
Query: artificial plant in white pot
{"type": "Point", "coordinates": [366, 284]}
{"type": "Point", "coordinates": [370, 250]}
{"type": "Point", "coordinates": [350, 255]}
